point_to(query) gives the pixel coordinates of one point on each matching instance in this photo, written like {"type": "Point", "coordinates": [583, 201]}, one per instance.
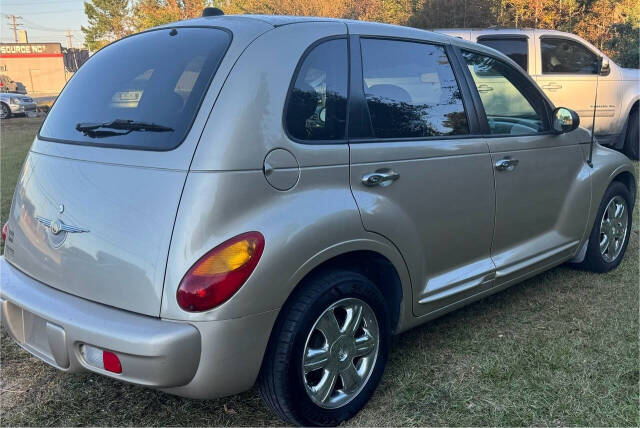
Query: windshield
{"type": "Point", "coordinates": [153, 82]}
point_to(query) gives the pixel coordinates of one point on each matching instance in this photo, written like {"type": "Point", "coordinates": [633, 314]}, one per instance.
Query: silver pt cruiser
{"type": "Point", "coordinates": [268, 199]}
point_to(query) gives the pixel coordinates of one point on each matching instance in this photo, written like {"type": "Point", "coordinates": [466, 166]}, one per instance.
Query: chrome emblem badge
{"type": "Point", "coordinates": [60, 208]}
{"type": "Point", "coordinates": [57, 226]}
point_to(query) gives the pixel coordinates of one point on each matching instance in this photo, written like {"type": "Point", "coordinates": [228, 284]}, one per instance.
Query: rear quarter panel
{"type": "Point", "coordinates": [303, 227]}
{"type": "Point", "coordinates": [226, 192]}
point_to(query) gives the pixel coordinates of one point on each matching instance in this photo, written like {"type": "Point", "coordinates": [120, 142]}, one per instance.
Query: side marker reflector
{"type": "Point", "coordinates": [111, 362]}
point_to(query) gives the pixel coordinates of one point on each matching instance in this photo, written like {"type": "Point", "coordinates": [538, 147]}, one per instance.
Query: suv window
{"type": "Point", "coordinates": [158, 77]}
{"type": "Point", "coordinates": [512, 105]}
{"type": "Point", "coordinates": [515, 48]}
{"type": "Point", "coordinates": [411, 90]}
{"type": "Point", "coordinates": [317, 104]}
{"type": "Point", "coordinates": [567, 56]}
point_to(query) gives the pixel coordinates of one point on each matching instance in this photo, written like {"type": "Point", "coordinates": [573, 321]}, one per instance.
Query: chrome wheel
{"type": "Point", "coordinates": [613, 229]}
{"type": "Point", "coordinates": [340, 353]}
{"type": "Point", "coordinates": [4, 111]}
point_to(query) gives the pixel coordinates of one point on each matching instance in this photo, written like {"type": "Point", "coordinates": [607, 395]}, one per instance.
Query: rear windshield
{"type": "Point", "coordinates": [142, 92]}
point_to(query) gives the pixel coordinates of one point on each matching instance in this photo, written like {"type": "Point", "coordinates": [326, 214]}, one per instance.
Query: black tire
{"type": "Point", "coordinates": [632, 139]}
{"type": "Point", "coordinates": [594, 260]}
{"type": "Point", "coordinates": [5, 111]}
{"type": "Point", "coordinates": [281, 379]}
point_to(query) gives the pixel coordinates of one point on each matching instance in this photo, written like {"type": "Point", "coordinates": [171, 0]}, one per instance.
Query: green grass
{"type": "Point", "coordinates": [559, 349]}
{"type": "Point", "coordinates": [16, 136]}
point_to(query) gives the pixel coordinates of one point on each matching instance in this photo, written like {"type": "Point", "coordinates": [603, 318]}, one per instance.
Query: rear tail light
{"type": "Point", "coordinates": [221, 272]}
{"type": "Point", "coordinates": [4, 231]}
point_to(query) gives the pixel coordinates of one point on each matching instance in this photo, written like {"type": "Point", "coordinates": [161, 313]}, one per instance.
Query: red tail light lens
{"type": "Point", "coordinates": [111, 362]}
{"type": "Point", "coordinates": [220, 273]}
{"type": "Point", "coordinates": [4, 231]}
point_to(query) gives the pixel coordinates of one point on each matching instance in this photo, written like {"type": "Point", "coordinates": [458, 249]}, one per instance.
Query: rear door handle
{"type": "Point", "coordinates": [485, 88]}
{"type": "Point", "coordinates": [507, 164]}
{"type": "Point", "coordinates": [552, 86]}
{"type": "Point", "coordinates": [382, 177]}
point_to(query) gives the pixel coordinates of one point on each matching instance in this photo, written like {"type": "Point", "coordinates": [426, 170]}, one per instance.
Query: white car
{"type": "Point", "coordinates": [14, 103]}
{"type": "Point", "coordinates": [566, 67]}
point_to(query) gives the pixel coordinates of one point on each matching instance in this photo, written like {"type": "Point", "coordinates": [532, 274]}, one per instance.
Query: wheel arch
{"type": "Point", "coordinates": [380, 263]}
{"type": "Point", "coordinates": [628, 107]}
{"type": "Point", "coordinates": [628, 179]}
{"type": "Point", "coordinates": [376, 267]}
{"type": "Point", "coordinates": [627, 118]}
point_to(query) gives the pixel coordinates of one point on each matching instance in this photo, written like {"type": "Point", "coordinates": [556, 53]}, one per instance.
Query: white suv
{"type": "Point", "coordinates": [566, 67]}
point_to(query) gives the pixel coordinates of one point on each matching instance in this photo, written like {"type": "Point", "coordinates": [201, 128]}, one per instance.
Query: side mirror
{"type": "Point", "coordinates": [605, 68]}
{"type": "Point", "coordinates": [564, 120]}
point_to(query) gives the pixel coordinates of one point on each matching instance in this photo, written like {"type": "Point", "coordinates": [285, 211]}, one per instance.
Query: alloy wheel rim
{"type": "Point", "coordinates": [613, 229]}
{"type": "Point", "coordinates": [340, 353]}
{"type": "Point", "coordinates": [4, 111]}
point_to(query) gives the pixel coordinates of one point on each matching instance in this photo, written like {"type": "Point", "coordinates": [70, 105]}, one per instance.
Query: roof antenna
{"type": "Point", "coordinates": [595, 104]}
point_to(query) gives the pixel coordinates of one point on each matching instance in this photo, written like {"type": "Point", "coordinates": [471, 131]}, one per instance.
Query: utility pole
{"type": "Point", "coordinates": [13, 24]}
{"type": "Point", "coordinates": [69, 45]}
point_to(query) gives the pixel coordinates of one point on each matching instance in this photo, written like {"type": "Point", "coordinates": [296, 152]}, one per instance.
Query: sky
{"type": "Point", "coordinates": [44, 20]}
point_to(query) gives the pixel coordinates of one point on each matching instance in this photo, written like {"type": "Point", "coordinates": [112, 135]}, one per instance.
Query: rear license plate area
{"type": "Point", "coordinates": [40, 337]}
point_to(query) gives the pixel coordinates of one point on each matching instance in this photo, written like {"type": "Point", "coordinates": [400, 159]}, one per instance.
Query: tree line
{"type": "Point", "coordinates": [611, 25]}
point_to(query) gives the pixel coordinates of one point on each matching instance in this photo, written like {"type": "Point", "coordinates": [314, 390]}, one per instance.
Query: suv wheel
{"type": "Point", "coordinates": [5, 112]}
{"type": "Point", "coordinates": [328, 350]}
{"type": "Point", "coordinates": [632, 140]}
{"type": "Point", "coordinates": [610, 234]}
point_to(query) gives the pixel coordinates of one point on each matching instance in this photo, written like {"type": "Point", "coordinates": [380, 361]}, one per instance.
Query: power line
{"type": "Point", "coordinates": [42, 27]}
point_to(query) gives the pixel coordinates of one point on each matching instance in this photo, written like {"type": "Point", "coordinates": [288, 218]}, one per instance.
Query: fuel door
{"type": "Point", "coordinates": [281, 169]}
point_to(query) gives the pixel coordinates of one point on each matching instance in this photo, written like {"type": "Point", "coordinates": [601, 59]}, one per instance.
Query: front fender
{"type": "Point", "coordinates": [607, 165]}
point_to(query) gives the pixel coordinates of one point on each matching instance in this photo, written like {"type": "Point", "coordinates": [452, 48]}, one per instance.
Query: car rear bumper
{"type": "Point", "coordinates": [199, 360]}
{"type": "Point", "coordinates": [53, 325]}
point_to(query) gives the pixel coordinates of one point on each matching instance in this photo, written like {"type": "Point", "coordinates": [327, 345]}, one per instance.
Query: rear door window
{"type": "Point", "coordinates": [142, 92]}
{"type": "Point", "coordinates": [566, 56]}
{"type": "Point", "coordinates": [411, 90]}
{"type": "Point", "coordinates": [317, 105]}
{"type": "Point", "coordinates": [515, 48]}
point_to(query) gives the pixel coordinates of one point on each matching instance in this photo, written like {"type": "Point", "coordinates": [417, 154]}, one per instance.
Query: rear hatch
{"type": "Point", "coordinates": [96, 201]}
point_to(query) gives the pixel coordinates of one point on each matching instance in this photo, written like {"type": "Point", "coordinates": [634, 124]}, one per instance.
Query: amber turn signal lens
{"type": "Point", "coordinates": [227, 259]}
{"type": "Point", "coordinates": [221, 272]}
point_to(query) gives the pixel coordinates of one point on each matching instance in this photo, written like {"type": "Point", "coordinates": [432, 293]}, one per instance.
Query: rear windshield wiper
{"type": "Point", "coordinates": [94, 129]}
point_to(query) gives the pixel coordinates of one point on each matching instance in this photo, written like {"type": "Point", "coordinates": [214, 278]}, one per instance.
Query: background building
{"type": "Point", "coordinates": [40, 69]}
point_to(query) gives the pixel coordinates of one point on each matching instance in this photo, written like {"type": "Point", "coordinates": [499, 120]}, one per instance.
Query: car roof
{"type": "Point", "coordinates": [247, 19]}
{"type": "Point", "coordinates": [362, 27]}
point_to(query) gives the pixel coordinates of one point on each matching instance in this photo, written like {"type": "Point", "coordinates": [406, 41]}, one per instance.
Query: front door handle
{"type": "Point", "coordinates": [382, 177]}
{"type": "Point", "coordinates": [484, 88]}
{"type": "Point", "coordinates": [552, 86]}
{"type": "Point", "coordinates": [507, 164]}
